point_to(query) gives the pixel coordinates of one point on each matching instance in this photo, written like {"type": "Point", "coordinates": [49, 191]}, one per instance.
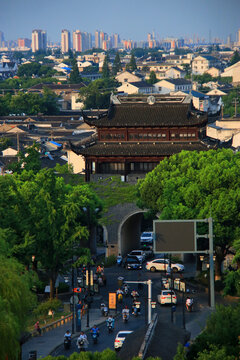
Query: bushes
{"type": "Point", "coordinates": [45, 306]}
{"type": "Point", "coordinates": [232, 283]}
{"type": "Point", "coordinates": [110, 261]}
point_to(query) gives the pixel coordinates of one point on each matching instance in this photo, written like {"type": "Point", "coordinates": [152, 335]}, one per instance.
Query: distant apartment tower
{"type": "Point", "coordinates": [65, 41]}
{"type": "Point", "coordinates": [238, 40]}
{"type": "Point", "coordinates": [24, 43]}
{"type": "Point", "coordinates": [1, 38]}
{"type": "Point", "coordinates": [116, 41]}
{"type": "Point", "coordinates": [82, 41]}
{"type": "Point", "coordinates": [97, 39]}
{"type": "Point", "coordinates": [39, 40]}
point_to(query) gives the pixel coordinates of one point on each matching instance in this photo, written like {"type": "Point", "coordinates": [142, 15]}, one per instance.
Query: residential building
{"type": "Point", "coordinates": [116, 41]}
{"type": "Point", "coordinates": [1, 39]}
{"type": "Point", "coordinates": [214, 71]}
{"type": "Point", "coordinates": [97, 39]}
{"type": "Point", "coordinates": [234, 72]}
{"type": "Point", "coordinates": [203, 63]}
{"type": "Point", "coordinates": [175, 73]}
{"type": "Point", "coordinates": [39, 40]}
{"type": "Point", "coordinates": [225, 130]}
{"type": "Point", "coordinates": [169, 85]}
{"type": "Point", "coordinates": [65, 41]}
{"type": "Point", "coordinates": [135, 133]}
{"type": "Point", "coordinates": [127, 76]}
{"type": "Point", "coordinates": [140, 87]}
{"type": "Point", "coordinates": [24, 43]}
{"type": "Point", "coordinates": [77, 41]}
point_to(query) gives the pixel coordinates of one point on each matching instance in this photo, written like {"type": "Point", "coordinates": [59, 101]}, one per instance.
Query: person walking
{"type": "Point", "coordinates": [37, 328]}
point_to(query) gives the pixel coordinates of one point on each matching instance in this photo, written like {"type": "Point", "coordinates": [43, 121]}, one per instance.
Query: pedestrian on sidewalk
{"type": "Point", "coordinates": [37, 328]}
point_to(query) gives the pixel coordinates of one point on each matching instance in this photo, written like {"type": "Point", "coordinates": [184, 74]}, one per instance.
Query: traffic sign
{"type": "Point", "coordinates": [75, 299]}
{"type": "Point", "coordinates": [77, 290]}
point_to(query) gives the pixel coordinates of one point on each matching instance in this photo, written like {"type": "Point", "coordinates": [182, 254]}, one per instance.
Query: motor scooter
{"type": "Point", "coordinates": [125, 318]}
{"type": "Point", "coordinates": [67, 343]}
{"type": "Point", "coordinates": [95, 337]}
{"type": "Point", "coordinates": [81, 345]}
{"type": "Point", "coordinates": [119, 260]}
{"type": "Point", "coordinates": [110, 327]}
{"type": "Point", "coordinates": [120, 297]}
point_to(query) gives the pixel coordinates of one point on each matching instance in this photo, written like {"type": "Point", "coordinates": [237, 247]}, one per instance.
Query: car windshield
{"type": "Point", "coordinates": [144, 235]}
{"type": "Point", "coordinates": [167, 293]}
{"type": "Point", "coordinates": [136, 253]}
{"type": "Point", "coordinates": [122, 335]}
{"type": "Point", "coordinates": [132, 261]}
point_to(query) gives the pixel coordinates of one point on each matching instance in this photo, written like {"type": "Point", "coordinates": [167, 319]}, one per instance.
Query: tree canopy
{"type": "Point", "coordinates": [132, 63]}
{"type": "Point", "coordinates": [105, 68]}
{"type": "Point", "coordinates": [197, 185]}
{"type": "Point", "coordinates": [46, 218]}
{"type": "Point", "coordinates": [116, 64]}
{"type": "Point", "coordinates": [235, 58]}
{"type": "Point", "coordinates": [75, 77]}
{"type": "Point", "coordinates": [16, 300]}
{"type": "Point", "coordinates": [97, 93]}
{"type": "Point", "coordinates": [30, 103]}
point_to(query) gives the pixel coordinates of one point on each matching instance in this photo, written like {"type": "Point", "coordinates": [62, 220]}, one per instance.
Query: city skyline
{"type": "Point", "coordinates": [205, 19]}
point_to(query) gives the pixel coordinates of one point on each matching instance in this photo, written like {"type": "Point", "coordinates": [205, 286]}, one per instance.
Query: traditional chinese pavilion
{"type": "Point", "coordinates": [137, 132]}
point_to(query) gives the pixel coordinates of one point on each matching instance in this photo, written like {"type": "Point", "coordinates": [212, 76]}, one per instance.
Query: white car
{"type": "Point", "coordinates": [119, 340]}
{"type": "Point", "coordinates": [146, 238]}
{"type": "Point", "coordinates": [163, 265]}
{"type": "Point", "coordinates": [167, 297]}
{"type": "Point", "coordinates": [139, 254]}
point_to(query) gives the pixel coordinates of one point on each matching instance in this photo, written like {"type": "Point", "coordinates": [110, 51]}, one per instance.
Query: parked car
{"type": "Point", "coordinates": [139, 254]}
{"type": "Point", "coordinates": [146, 238]}
{"type": "Point", "coordinates": [167, 297]}
{"type": "Point", "coordinates": [119, 340]}
{"type": "Point", "coordinates": [132, 262]}
{"type": "Point", "coordinates": [164, 265]}
{"type": "Point", "coordinates": [148, 251]}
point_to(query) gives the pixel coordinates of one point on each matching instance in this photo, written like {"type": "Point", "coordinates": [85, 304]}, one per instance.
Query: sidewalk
{"type": "Point", "coordinates": [50, 340]}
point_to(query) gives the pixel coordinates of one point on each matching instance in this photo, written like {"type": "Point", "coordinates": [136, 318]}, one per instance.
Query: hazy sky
{"type": "Point", "coordinates": [132, 19]}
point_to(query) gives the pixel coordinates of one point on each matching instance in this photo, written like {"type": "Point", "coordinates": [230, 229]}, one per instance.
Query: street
{"type": "Point", "coordinates": [106, 340]}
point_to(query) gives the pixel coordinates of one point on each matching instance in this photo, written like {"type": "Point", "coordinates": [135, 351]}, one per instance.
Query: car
{"type": "Point", "coordinates": [146, 238]}
{"type": "Point", "coordinates": [164, 265]}
{"type": "Point", "coordinates": [167, 297]}
{"type": "Point", "coordinates": [132, 262]}
{"type": "Point", "coordinates": [139, 254]}
{"type": "Point", "coordinates": [148, 251]}
{"type": "Point", "coordinates": [119, 340]}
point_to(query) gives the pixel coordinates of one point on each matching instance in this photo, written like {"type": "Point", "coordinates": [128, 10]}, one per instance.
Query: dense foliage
{"type": "Point", "coordinates": [219, 340]}
{"type": "Point", "coordinates": [30, 103]}
{"type": "Point", "coordinates": [15, 300]}
{"type": "Point", "coordinates": [235, 58]}
{"type": "Point", "coordinates": [97, 93]}
{"type": "Point", "coordinates": [45, 218]}
{"type": "Point", "coordinates": [75, 77]}
{"type": "Point", "coordinates": [229, 102]}
{"type": "Point", "coordinates": [197, 185]}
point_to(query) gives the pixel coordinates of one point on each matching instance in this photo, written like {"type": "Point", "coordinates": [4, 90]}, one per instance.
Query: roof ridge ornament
{"type": "Point", "coordinates": [151, 100]}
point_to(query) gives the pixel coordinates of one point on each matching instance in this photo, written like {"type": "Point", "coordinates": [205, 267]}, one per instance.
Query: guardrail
{"type": "Point", "coordinates": [148, 337]}
{"type": "Point", "coordinates": [54, 324]}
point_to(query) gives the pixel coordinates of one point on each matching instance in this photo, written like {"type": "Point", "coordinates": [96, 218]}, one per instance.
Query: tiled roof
{"type": "Point", "coordinates": [178, 81]}
{"type": "Point", "coordinates": [139, 149]}
{"type": "Point", "coordinates": [141, 84]}
{"type": "Point", "coordinates": [145, 115]}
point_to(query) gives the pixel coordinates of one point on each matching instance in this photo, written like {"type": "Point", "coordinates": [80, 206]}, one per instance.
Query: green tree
{"type": "Point", "coordinates": [75, 77]}
{"type": "Point", "coordinates": [132, 64]}
{"type": "Point", "coordinates": [105, 68]}
{"type": "Point", "coordinates": [97, 93]}
{"type": "Point", "coordinates": [221, 333]}
{"type": "Point", "coordinates": [29, 69]}
{"type": "Point", "coordinates": [28, 159]}
{"type": "Point", "coordinates": [235, 58]}
{"type": "Point", "coordinates": [181, 353]}
{"type": "Point", "coordinates": [50, 102]}
{"type": "Point", "coordinates": [152, 78]}
{"type": "Point", "coordinates": [47, 219]}
{"type": "Point", "coordinates": [229, 102]}
{"type": "Point", "coordinates": [116, 64]}
{"type": "Point", "coordinates": [15, 302]}
{"type": "Point", "coordinates": [197, 185]}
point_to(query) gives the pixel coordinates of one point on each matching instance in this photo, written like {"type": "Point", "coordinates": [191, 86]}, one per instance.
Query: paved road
{"type": "Point", "coordinates": [107, 340]}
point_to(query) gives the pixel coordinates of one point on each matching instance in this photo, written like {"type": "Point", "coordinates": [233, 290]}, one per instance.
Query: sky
{"type": "Point", "coordinates": [132, 19]}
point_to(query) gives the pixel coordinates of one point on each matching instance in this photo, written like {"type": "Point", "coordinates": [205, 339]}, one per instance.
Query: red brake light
{"type": "Point", "coordinates": [117, 341]}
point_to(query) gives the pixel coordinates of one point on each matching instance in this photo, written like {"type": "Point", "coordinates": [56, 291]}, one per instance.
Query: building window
{"type": "Point", "coordinates": [163, 135]}
{"type": "Point", "coordinates": [159, 88]}
{"type": "Point", "coordinates": [102, 136]}
{"type": "Point", "coordinates": [93, 167]}
{"type": "Point", "coordinates": [173, 135]}
{"type": "Point", "coordinates": [193, 135]}
{"type": "Point", "coordinates": [130, 137]}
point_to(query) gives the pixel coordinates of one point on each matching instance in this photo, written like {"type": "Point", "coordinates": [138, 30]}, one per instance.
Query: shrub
{"type": "Point", "coordinates": [110, 261]}
{"type": "Point", "coordinates": [45, 306]}
{"type": "Point", "coordinates": [232, 283]}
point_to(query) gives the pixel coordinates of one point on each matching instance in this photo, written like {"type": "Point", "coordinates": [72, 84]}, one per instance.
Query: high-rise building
{"type": "Point", "coordinates": [24, 43]}
{"type": "Point", "coordinates": [65, 41]}
{"type": "Point", "coordinates": [97, 39]}
{"type": "Point", "coordinates": [77, 40]}
{"type": "Point", "coordinates": [39, 40]}
{"type": "Point", "coordinates": [1, 38]}
{"type": "Point", "coordinates": [116, 41]}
